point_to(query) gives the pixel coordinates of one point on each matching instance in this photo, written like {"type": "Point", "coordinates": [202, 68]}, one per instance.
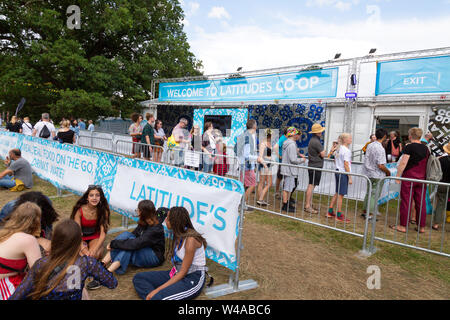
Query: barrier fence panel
{"type": "Point", "coordinates": [408, 218]}
{"type": "Point", "coordinates": [270, 198]}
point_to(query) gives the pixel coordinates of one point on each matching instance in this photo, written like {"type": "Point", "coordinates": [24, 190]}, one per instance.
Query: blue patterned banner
{"type": "Point", "coordinates": [293, 85]}
{"type": "Point", "coordinates": [212, 201]}
{"type": "Point", "coordinates": [415, 76]}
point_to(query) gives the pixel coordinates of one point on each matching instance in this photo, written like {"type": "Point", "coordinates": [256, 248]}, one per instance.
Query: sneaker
{"type": "Point", "coordinates": [262, 203]}
{"type": "Point", "coordinates": [330, 213]}
{"type": "Point", "coordinates": [94, 284]}
{"type": "Point", "coordinates": [342, 218]}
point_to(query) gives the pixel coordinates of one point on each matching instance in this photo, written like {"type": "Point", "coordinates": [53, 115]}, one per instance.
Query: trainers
{"type": "Point", "coordinates": [330, 213]}
{"type": "Point", "coordinates": [94, 284]}
{"type": "Point", "coordinates": [262, 203]}
{"type": "Point", "coordinates": [342, 218]}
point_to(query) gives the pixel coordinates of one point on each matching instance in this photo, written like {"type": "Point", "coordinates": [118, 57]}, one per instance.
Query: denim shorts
{"type": "Point", "coordinates": [341, 184]}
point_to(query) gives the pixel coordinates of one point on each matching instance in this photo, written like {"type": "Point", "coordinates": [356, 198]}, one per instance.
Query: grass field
{"type": "Point", "coordinates": [293, 260]}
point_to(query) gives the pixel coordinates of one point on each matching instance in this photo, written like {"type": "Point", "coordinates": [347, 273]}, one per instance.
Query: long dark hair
{"type": "Point", "coordinates": [148, 211]}
{"type": "Point", "coordinates": [103, 211]}
{"type": "Point", "coordinates": [182, 228]}
{"type": "Point", "coordinates": [65, 248]}
{"type": "Point", "coordinates": [48, 216]}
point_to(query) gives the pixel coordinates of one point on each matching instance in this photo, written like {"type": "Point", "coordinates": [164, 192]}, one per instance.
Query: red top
{"type": "Point", "coordinates": [85, 223]}
{"type": "Point", "coordinates": [18, 264]}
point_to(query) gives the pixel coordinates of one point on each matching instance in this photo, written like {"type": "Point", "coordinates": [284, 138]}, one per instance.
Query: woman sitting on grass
{"type": "Point", "coordinates": [48, 215]}
{"type": "Point", "coordinates": [92, 213]}
{"type": "Point", "coordinates": [143, 248]}
{"type": "Point", "coordinates": [61, 275]}
{"type": "Point", "coordinates": [18, 246]}
{"type": "Point", "coordinates": [187, 255]}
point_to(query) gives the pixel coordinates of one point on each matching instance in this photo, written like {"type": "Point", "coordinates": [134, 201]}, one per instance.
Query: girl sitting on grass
{"type": "Point", "coordinates": [143, 248]}
{"type": "Point", "coordinates": [92, 213]}
{"type": "Point", "coordinates": [61, 275]}
{"type": "Point", "coordinates": [187, 255]}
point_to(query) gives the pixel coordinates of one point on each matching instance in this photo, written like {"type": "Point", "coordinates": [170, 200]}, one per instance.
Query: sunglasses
{"type": "Point", "coordinates": [95, 186]}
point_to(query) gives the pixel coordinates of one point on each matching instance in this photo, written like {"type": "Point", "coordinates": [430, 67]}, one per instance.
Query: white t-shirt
{"type": "Point", "coordinates": [344, 154]}
{"type": "Point", "coordinates": [27, 128]}
{"type": "Point", "coordinates": [41, 124]}
{"type": "Point", "coordinates": [91, 127]}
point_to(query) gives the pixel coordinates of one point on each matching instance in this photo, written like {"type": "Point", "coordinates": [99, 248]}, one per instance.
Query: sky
{"type": "Point", "coordinates": [262, 34]}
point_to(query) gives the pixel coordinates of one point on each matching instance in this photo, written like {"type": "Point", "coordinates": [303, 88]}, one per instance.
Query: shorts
{"type": "Point", "coordinates": [279, 175]}
{"type": "Point", "coordinates": [341, 184]}
{"type": "Point", "coordinates": [145, 151]}
{"type": "Point", "coordinates": [290, 183]}
{"type": "Point", "coordinates": [249, 178]}
{"type": "Point", "coordinates": [314, 177]}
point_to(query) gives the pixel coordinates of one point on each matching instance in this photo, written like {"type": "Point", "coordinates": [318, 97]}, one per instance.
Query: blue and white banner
{"type": "Point", "coordinates": [293, 85]}
{"type": "Point", "coordinates": [414, 76]}
{"type": "Point", "coordinates": [212, 201]}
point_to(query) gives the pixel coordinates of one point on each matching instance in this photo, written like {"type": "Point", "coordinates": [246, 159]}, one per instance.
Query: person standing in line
{"type": "Point", "coordinates": [343, 163]}
{"type": "Point", "coordinates": [196, 144]}
{"type": "Point", "coordinates": [443, 193]}
{"type": "Point", "coordinates": [91, 126]}
{"type": "Point", "coordinates": [135, 131]}
{"type": "Point", "coordinates": [81, 124]}
{"type": "Point", "coordinates": [290, 174]}
{"type": "Point", "coordinates": [413, 165]}
{"type": "Point", "coordinates": [208, 147]}
{"type": "Point", "coordinates": [372, 138]}
{"type": "Point", "coordinates": [44, 128]}
{"type": "Point", "coordinates": [74, 127]}
{"type": "Point", "coordinates": [394, 147]}
{"type": "Point", "coordinates": [65, 134]}
{"type": "Point", "coordinates": [374, 168]}
{"type": "Point", "coordinates": [14, 125]}
{"type": "Point", "coordinates": [180, 135]}
{"type": "Point", "coordinates": [278, 148]}
{"type": "Point", "coordinates": [316, 156]}
{"type": "Point", "coordinates": [265, 173]}
{"type": "Point", "coordinates": [148, 137]}
{"type": "Point", "coordinates": [160, 137]}
{"type": "Point", "coordinates": [27, 127]}
{"type": "Point", "coordinates": [248, 157]}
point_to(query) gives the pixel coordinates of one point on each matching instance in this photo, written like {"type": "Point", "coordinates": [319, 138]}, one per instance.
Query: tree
{"type": "Point", "coordinates": [103, 68]}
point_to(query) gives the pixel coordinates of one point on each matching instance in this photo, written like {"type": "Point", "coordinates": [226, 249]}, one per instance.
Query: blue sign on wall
{"type": "Point", "coordinates": [414, 76]}
{"type": "Point", "coordinates": [294, 85]}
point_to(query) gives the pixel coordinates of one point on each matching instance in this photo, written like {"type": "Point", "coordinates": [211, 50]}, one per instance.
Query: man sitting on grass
{"type": "Point", "coordinates": [18, 172]}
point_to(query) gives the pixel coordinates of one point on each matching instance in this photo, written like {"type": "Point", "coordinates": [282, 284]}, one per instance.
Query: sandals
{"type": "Point", "coordinates": [413, 222]}
{"type": "Point", "coordinates": [417, 229]}
{"type": "Point", "coordinates": [435, 228]}
{"type": "Point", "coordinates": [394, 227]}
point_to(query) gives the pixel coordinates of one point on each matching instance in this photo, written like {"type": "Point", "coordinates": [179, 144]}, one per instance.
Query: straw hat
{"type": "Point", "coordinates": [447, 148]}
{"type": "Point", "coordinates": [317, 128]}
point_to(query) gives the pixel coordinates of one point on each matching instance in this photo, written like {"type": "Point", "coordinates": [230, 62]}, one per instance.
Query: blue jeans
{"type": "Point", "coordinates": [142, 258]}
{"type": "Point", "coordinates": [186, 289]}
{"type": "Point", "coordinates": [7, 182]}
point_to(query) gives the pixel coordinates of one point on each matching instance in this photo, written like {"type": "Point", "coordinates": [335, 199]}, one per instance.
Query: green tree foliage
{"type": "Point", "coordinates": [102, 69]}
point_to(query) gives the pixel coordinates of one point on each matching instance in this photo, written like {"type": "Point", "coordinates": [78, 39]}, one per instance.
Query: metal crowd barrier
{"type": "Point", "coordinates": [405, 207]}
{"type": "Point", "coordinates": [352, 204]}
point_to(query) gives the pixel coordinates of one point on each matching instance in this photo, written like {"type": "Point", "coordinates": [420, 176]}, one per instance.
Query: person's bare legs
{"type": "Point", "coordinates": [309, 192]}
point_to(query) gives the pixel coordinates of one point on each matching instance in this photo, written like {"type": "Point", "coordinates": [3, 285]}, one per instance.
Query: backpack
{"type": "Point", "coordinates": [45, 133]}
{"type": "Point", "coordinates": [434, 170]}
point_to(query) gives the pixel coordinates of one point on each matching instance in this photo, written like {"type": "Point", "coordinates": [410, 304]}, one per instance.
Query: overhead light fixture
{"type": "Point", "coordinates": [372, 51]}
{"type": "Point", "coordinates": [337, 56]}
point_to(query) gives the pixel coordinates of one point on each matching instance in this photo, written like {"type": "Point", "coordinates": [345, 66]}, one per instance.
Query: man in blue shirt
{"type": "Point", "coordinates": [81, 124]}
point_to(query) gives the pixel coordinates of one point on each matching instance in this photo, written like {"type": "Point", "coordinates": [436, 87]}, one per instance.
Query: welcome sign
{"type": "Point", "coordinates": [414, 76]}
{"type": "Point", "coordinates": [293, 85]}
{"type": "Point", "coordinates": [212, 201]}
